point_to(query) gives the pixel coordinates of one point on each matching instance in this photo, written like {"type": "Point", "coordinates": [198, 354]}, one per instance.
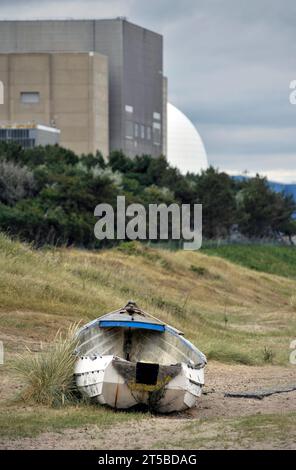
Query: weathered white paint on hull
{"type": "Point", "coordinates": [97, 378]}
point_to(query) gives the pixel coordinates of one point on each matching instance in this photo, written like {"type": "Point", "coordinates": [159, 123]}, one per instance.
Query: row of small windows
{"type": "Point", "coordinates": [130, 109]}
{"type": "Point", "coordinates": [24, 143]}
{"type": "Point", "coordinates": [139, 131]}
{"type": "Point", "coordinates": [6, 134]}
{"type": "Point", "coordinates": [20, 136]}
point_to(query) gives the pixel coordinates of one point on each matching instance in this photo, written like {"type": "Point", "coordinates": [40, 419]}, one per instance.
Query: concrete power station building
{"type": "Point", "coordinates": [100, 82]}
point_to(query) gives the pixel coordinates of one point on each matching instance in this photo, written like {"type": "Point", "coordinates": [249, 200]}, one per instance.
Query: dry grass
{"type": "Point", "coordinates": [43, 290]}
{"type": "Point", "coordinates": [293, 301]}
{"type": "Point", "coordinates": [260, 431]}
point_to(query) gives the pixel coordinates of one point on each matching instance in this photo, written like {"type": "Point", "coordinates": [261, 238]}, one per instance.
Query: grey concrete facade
{"type": "Point", "coordinates": [137, 123]}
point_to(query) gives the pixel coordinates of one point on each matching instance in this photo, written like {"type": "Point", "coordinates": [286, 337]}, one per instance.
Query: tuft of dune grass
{"type": "Point", "coordinates": [48, 376]}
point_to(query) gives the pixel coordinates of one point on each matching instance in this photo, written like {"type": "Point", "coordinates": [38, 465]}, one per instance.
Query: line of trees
{"type": "Point", "coordinates": [48, 195]}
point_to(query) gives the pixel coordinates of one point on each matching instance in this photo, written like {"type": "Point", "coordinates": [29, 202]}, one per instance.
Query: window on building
{"type": "Point", "coordinates": [148, 133]}
{"type": "Point", "coordinates": [156, 116]}
{"type": "Point", "coordinates": [129, 130]}
{"type": "Point", "coordinates": [142, 132]}
{"type": "Point", "coordinates": [129, 109]}
{"type": "Point", "coordinates": [156, 133]}
{"type": "Point", "coordinates": [136, 130]}
{"type": "Point", "coordinates": [30, 97]}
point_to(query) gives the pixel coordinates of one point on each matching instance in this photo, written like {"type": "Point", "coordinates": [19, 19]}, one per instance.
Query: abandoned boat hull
{"type": "Point", "coordinates": [101, 379]}
{"type": "Point", "coordinates": [128, 357]}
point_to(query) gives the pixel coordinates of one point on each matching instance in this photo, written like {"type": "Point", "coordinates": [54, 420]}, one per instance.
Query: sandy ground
{"type": "Point", "coordinates": [209, 425]}
{"type": "Point", "coordinates": [223, 378]}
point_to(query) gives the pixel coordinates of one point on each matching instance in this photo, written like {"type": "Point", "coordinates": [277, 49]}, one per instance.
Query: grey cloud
{"type": "Point", "coordinates": [266, 140]}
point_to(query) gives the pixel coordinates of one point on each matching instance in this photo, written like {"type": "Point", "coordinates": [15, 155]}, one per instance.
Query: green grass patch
{"type": "Point", "coordinates": [199, 270]}
{"type": "Point", "coordinates": [230, 356]}
{"type": "Point", "coordinates": [30, 423]}
{"type": "Point", "coordinates": [279, 260]}
{"type": "Point", "coordinates": [134, 248]}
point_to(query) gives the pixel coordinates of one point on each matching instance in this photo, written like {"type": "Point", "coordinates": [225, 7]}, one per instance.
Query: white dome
{"type": "Point", "coordinates": [185, 149]}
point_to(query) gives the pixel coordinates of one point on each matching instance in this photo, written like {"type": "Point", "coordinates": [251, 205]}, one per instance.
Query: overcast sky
{"type": "Point", "coordinates": [229, 65]}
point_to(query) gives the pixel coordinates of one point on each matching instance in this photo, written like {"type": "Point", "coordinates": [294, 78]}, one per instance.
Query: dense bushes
{"type": "Point", "coordinates": [16, 182]}
{"type": "Point", "coordinates": [48, 195]}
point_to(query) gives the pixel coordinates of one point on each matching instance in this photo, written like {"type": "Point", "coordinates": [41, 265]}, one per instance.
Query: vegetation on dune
{"type": "Point", "coordinates": [46, 289]}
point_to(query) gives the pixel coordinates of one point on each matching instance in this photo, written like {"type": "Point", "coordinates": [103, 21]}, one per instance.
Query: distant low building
{"type": "Point", "coordinates": [30, 136]}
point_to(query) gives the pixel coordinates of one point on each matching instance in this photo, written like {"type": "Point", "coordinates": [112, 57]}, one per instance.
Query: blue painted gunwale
{"type": "Point", "coordinates": [130, 324]}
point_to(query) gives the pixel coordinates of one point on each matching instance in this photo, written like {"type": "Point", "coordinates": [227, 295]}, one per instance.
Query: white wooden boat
{"type": "Point", "coordinates": [128, 357]}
